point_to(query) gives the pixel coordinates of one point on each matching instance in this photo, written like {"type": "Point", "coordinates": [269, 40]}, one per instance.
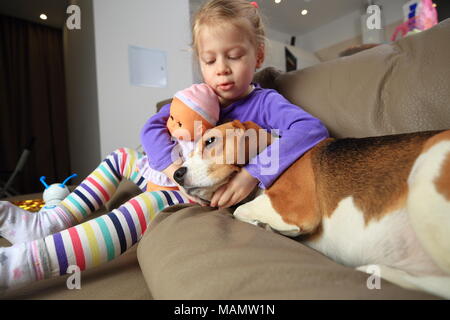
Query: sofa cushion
{"type": "Point", "coordinates": [393, 88]}
{"type": "Point", "coordinates": [192, 252]}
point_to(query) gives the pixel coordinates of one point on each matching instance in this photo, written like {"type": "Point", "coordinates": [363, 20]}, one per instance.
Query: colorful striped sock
{"type": "Point", "coordinates": [86, 245]}
{"type": "Point", "coordinates": [18, 225]}
{"type": "Point", "coordinates": [101, 184]}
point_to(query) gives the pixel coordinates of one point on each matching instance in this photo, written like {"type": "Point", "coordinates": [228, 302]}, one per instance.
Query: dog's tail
{"type": "Point", "coordinates": [429, 198]}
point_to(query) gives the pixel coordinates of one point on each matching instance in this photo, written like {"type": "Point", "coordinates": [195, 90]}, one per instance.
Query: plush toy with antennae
{"type": "Point", "coordinates": [55, 193]}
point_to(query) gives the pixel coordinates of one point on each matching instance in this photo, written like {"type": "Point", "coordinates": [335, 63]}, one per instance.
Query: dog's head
{"type": "Point", "coordinates": [218, 155]}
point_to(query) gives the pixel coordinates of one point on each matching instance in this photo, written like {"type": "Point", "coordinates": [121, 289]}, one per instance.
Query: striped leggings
{"type": "Point", "coordinates": [102, 183]}
{"type": "Point", "coordinates": [90, 243]}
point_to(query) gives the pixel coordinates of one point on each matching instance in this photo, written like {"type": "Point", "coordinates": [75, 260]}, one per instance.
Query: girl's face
{"type": "Point", "coordinates": [228, 60]}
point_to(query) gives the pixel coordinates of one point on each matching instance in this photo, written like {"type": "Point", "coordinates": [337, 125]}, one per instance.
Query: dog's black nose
{"type": "Point", "coordinates": [179, 174]}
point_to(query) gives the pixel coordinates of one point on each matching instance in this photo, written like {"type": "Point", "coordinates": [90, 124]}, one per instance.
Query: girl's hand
{"type": "Point", "coordinates": [236, 190]}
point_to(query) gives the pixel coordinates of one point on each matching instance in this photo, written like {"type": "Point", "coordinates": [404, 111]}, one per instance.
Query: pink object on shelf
{"type": "Point", "coordinates": [427, 16]}
{"type": "Point", "coordinates": [422, 16]}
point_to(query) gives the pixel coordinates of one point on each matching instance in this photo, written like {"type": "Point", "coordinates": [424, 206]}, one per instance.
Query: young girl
{"type": "Point", "coordinates": [229, 41]}
{"type": "Point", "coordinates": [228, 38]}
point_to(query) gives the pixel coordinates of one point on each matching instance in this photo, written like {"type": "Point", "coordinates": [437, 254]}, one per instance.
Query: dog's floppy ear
{"type": "Point", "coordinates": [245, 125]}
{"type": "Point", "coordinates": [251, 125]}
{"type": "Point", "coordinates": [251, 140]}
{"type": "Point", "coordinates": [237, 124]}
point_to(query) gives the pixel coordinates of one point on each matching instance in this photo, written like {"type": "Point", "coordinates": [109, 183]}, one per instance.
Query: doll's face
{"type": "Point", "coordinates": [184, 123]}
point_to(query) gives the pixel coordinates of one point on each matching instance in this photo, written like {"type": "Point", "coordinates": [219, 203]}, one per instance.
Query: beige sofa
{"type": "Point", "coordinates": [192, 252]}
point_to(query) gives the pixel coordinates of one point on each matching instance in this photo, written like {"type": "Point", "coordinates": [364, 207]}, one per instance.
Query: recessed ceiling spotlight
{"type": "Point", "coordinates": [43, 16]}
{"type": "Point", "coordinates": [304, 12]}
{"type": "Point", "coordinates": [277, 1]}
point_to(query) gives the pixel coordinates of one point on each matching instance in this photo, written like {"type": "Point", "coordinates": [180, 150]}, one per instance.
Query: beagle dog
{"type": "Point", "coordinates": [377, 203]}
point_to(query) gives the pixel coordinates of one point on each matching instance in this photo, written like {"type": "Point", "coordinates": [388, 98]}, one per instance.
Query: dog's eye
{"type": "Point", "coordinates": [209, 141]}
{"type": "Point", "coordinates": [179, 124]}
{"type": "Point", "coordinates": [171, 118]}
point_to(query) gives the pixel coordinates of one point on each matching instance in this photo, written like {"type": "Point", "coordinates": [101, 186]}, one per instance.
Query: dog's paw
{"type": "Point", "coordinates": [291, 232]}
{"type": "Point", "coordinates": [242, 214]}
{"type": "Point", "coordinates": [272, 221]}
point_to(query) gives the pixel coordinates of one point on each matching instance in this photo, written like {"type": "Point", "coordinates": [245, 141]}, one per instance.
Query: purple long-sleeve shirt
{"type": "Point", "coordinates": [298, 131]}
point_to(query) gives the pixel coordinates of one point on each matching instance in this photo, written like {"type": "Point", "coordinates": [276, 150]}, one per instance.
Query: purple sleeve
{"type": "Point", "coordinates": [156, 140]}
{"type": "Point", "coordinates": [298, 130]}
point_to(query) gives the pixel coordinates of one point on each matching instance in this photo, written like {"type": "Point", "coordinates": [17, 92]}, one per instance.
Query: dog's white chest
{"type": "Point", "coordinates": [348, 240]}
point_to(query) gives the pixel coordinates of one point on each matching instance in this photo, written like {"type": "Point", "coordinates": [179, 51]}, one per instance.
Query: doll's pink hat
{"type": "Point", "coordinates": [202, 99]}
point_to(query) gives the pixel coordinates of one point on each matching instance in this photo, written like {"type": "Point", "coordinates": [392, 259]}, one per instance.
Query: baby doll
{"type": "Point", "coordinates": [197, 105]}
{"type": "Point", "coordinates": [41, 250]}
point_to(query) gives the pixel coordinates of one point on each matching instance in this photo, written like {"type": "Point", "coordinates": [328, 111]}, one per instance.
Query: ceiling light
{"type": "Point", "coordinates": [277, 1]}
{"type": "Point", "coordinates": [43, 16]}
{"type": "Point", "coordinates": [304, 12]}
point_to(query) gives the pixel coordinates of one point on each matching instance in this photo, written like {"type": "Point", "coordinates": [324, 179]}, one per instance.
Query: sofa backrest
{"type": "Point", "coordinates": [392, 88]}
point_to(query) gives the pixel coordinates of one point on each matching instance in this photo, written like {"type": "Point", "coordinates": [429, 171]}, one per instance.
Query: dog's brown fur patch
{"type": "Point", "coordinates": [233, 144]}
{"type": "Point", "coordinates": [243, 142]}
{"type": "Point", "coordinates": [443, 182]}
{"type": "Point", "coordinates": [441, 136]}
{"type": "Point", "coordinates": [293, 195]}
{"type": "Point", "coordinates": [374, 171]}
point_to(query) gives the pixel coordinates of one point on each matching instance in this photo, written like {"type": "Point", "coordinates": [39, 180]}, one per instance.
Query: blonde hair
{"type": "Point", "coordinates": [215, 12]}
